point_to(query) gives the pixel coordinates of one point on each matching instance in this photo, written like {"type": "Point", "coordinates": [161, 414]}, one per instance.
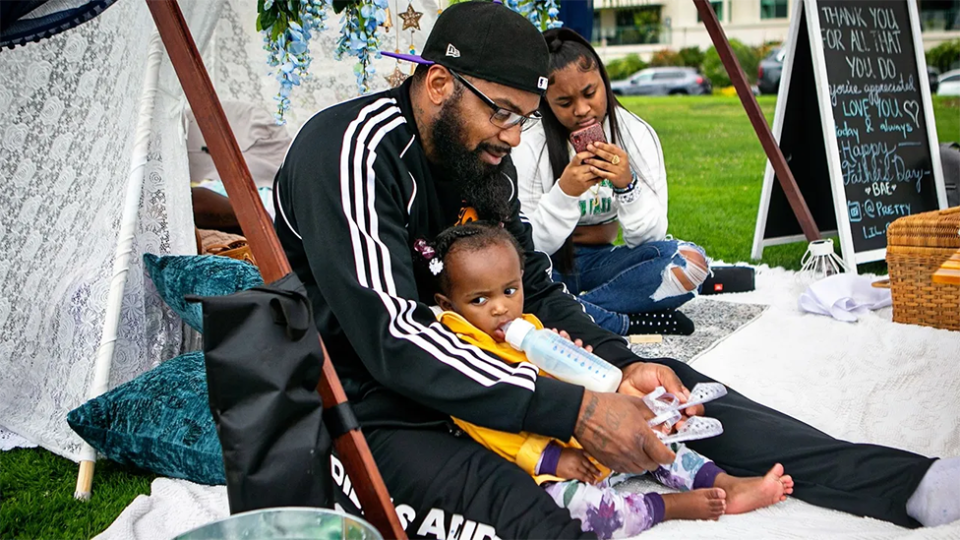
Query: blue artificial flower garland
{"type": "Point", "coordinates": [288, 25]}
{"type": "Point", "coordinates": [359, 37]}
{"type": "Point", "coordinates": [542, 13]}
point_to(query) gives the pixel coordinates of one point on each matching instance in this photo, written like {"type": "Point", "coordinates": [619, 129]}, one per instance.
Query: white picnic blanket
{"type": "Point", "coordinates": [871, 381]}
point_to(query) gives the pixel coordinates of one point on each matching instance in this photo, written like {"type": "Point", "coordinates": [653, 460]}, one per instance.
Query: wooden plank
{"type": "Point", "coordinates": [258, 228]}
{"type": "Point", "coordinates": [759, 122]}
{"type": "Point", "coordinates": [949, 272]}
{"type": "Point", "coordinates": [646, 338]}
{"type": "Point", "coordinates": [947, 276]}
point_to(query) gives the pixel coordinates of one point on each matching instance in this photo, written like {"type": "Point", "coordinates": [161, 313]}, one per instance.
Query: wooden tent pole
{"type": "Point", "coordinates": [257, 226]}
{"type": "Point", "coordinates": [750, 105]}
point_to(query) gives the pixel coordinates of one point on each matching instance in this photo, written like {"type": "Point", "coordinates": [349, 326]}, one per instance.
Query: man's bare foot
{"type": "Point", "coordinates": [707, 503]}
{"type": "Point", "coordinates": [748, 494]}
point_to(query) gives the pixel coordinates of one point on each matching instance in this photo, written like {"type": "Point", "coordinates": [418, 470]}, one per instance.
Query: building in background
{"type": "Point", "coordinates": [622, 27]}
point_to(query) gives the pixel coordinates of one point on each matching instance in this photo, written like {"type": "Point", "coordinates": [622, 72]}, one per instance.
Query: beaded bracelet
{"type": "Point", "coordinates": [630, 187]}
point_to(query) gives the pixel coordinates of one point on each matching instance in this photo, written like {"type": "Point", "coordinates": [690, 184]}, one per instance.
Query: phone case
{"type": "Point", "coordinates": [582, 137]}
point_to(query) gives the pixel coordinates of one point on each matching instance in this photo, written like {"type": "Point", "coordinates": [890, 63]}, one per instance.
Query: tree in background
{"type": "Point", "coordinates": [646, 21]}
{"type": "Point", "coordinates": [621, 68]}
{"type": "Point", "coordinates": [686, 57]}
{"type": "Point", "coordinates": [764, 50]}
{"type": "Point", "coordinates": [666, 58]}
{"type": "Point", "coordinates": [691, 57]}
{"type": "Point", "coordinates": [945, 56]}
{"type": "Point", "coordinates": [714, 70]}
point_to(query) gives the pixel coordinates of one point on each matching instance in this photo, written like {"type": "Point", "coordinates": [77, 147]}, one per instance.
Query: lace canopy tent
{"type": "Point", "coordinates": [68, 111]}
{"type": "Point", "coordinates": [68, 114]}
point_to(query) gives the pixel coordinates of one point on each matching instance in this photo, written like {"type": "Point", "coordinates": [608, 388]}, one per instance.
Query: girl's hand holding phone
{"type": "Point", "coordinates": [610, 162]}
{"type": "Point", "coordinates": [578, 176]}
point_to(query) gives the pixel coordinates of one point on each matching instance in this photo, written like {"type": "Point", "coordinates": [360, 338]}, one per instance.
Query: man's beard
{"type": "Point", "coordinates": [482, 185]}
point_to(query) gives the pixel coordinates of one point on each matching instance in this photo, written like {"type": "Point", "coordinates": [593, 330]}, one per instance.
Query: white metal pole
{"type": "Point", "coordinates": [121, 261]}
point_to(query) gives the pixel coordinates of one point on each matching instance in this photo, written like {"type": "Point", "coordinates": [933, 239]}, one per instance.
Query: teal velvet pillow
{"type": "Point", "coordinates": [176, 276]}
{"type": "Point", "coordinates": [160, 421]}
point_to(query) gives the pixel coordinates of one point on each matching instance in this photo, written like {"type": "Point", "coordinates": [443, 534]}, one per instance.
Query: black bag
{"type": "Point", "coordinates": [264, 362]}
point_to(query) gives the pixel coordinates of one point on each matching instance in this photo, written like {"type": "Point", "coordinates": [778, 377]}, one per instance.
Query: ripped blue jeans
{"type": "Point", "coordinates": [614, 281]}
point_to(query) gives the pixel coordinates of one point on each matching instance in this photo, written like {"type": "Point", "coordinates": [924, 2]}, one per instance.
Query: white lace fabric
{"type": "Point", "coordinates": [11, 441]}
{"type": "Point", "coordinates": [68, 107]}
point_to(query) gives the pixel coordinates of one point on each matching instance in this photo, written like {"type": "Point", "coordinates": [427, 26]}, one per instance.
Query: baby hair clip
{"type": "Point", "coordinates": [427, 252]}
{"type": "Point", "coordinates": [424, 249]}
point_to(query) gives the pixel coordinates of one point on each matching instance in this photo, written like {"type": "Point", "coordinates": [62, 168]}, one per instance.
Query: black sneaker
{"type": "Point", "coordinates": [665, 322]}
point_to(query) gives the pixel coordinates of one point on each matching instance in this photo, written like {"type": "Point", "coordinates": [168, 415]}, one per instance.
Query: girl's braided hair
{"type": "Point", "coordinates": [472, 236]}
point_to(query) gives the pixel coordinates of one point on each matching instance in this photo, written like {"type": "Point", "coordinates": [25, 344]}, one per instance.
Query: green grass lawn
{"type": "Point", "coordinates": [36, 496]}
{"type": "Point", "coordinates": [715, 171]}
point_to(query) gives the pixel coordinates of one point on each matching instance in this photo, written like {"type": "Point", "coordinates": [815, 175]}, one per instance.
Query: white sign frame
{"type": "Point", "coordinates": [850, 256]}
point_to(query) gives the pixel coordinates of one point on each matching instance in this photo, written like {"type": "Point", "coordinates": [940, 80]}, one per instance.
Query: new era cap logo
{"type": "Point", "coordinates": [542, 83]}
{"type": "Point", "coordinates": [452, 51]}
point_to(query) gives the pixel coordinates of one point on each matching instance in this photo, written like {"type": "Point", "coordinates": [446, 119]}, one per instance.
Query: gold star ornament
{"type": "Point", "coordinates": [396, 78]}
{"type": "Point", "coordinates": [411, 18]}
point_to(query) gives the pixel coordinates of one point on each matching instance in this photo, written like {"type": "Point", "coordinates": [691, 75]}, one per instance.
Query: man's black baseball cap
{"type": "Point", "coordinates": [489, 41]}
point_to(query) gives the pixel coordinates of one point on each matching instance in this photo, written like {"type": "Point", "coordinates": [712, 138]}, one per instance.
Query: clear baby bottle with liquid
{"type": "Point", "coordinates": [561, 358]}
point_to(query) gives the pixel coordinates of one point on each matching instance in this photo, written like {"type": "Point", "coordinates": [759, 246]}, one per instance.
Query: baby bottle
{"type": "Point", "coordinates": [562, 358]}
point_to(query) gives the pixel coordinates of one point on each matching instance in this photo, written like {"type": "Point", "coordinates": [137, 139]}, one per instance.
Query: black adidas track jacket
{"type": "Point", "coordinates": [354, 193]}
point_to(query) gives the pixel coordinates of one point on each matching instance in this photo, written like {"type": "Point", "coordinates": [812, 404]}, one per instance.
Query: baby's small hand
{"type": "Point", "coordinates": [574, 464]}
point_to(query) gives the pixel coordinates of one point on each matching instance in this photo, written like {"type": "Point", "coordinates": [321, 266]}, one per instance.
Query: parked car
{"type": "Point", "coordinates": [771, 67]}
{"type": "Point", "coordinates": [768, 72]}
{"type": "Point", "coordinates": [949, 84]}
{"type": "Point", "coordinates": [663, 81]}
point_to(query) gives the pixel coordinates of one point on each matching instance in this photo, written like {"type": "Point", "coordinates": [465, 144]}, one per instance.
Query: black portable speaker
{"type": "Point", "coordinates": [729, 279]}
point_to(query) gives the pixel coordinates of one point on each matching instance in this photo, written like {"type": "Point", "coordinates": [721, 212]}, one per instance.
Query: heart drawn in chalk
{"type": "Point", "coordinates": [912, 108]}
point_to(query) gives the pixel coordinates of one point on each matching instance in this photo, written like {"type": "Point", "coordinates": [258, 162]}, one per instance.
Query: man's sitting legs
{"type": "Point", "coordinates": [861, 479]}
{"type": "Point", "coordinates": [447, 486]}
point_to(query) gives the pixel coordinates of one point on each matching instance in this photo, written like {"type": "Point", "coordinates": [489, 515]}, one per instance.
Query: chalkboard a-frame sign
{"type": "Point", "coordinates": [855, 122]}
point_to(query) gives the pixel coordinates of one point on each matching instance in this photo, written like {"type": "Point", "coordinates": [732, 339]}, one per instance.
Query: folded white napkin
{"type": "Point", "coordinates": [843, 297]}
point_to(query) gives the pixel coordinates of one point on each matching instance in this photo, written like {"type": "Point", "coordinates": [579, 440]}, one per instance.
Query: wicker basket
{"type": "Point", "coordinates": [916, 247]}
{"type": "Point", "coordinates": [210, 242]}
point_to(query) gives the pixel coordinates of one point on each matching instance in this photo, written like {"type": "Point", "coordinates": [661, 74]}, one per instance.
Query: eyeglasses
{"type": "Point", "coordinates": [502, 118]}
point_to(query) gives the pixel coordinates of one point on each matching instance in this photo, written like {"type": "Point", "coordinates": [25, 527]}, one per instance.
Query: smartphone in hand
{"type": "Point", "coordinates": [590, 134]}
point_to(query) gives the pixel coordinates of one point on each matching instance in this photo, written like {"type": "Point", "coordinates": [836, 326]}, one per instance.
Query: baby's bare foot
{"type": "Point", "coordinates": [748, 494]}
{"type": "Point", "coordinates": [707, 503]}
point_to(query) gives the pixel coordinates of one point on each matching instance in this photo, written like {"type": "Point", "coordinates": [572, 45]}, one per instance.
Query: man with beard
{"type": "Point", "coordinates": [365, 181]}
